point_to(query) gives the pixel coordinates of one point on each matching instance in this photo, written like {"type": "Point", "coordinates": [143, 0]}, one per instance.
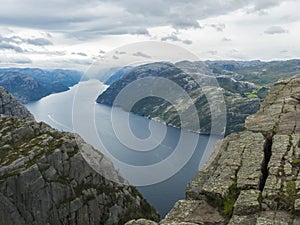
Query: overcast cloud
{"type": "Point", "coordinates": [85, 18]}
{"type": "Point", "coordinates": [39, 41]}
{"type": "Point", "coordinates": [81, 27]}
{"type": "Point", "coordinates": [275, 30]}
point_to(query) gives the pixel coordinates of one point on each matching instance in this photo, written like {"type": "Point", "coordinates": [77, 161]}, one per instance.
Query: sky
{"type": "Point", "coordinates": [74, 34]}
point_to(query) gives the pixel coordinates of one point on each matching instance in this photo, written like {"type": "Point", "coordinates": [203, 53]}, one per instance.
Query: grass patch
{"type": "Point", "coordinates": [296, 161]}
{"type": "Point", "coordinates": [251, 95]}
{"type": "Point", "coordinates": [291, 192]}
{"type": "Point", "coordinates": [230, 199]}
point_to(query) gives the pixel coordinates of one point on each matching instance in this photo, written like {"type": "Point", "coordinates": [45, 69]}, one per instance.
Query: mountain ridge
{"type": "Point", "coordinates": [235, 93]}
{"type": "Point", "coordinates": [32, 84]}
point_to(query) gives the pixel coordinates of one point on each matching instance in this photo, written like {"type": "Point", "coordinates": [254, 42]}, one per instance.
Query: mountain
{"type": "Point", "coordinates": [52, 177]}
{"type": "Point", "coordinates": [252, 176]}
{"type": "Point", "coordinates": [258, 72]}
{"type": "Point", "coordinates": [117, 75]}
{"type": "Point", "coordinates": [241, 97]}
{"type": "Point", "coordinates": [31, 84]}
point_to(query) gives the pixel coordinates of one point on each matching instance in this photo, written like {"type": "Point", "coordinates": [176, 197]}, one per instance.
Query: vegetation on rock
{"type": "Point", "coordinates": [253, 177]}
{"type": "Point", "coordinates": [52, 177]}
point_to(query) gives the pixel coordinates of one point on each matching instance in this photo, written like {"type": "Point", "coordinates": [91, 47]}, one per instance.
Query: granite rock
{"type": "Point", "coordinates": [254, 176]}
{"type": "Point", "coordinates": [10, 106]}
{"type": "Point", "coordinates": [52, 177]}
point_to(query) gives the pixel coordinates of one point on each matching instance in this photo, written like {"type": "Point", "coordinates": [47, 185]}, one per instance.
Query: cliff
{"type": "Point", "coordinates": [9, 105]}
{"type": "Point", "coordinates": [253, 176]}
{"type": "Point", "coordinates": [52, 177]}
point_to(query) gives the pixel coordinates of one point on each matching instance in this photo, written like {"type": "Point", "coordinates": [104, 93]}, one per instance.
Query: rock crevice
{"type": "Point", "coordinates": [267, 157]}
{"type": "Point", "coordinates": [254, 176]}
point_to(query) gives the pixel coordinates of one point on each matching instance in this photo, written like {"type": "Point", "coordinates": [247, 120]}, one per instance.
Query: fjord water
{"type": "Point", "coordinates": [56, 110]}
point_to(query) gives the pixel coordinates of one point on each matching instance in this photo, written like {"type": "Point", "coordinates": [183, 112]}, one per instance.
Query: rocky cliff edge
{"type": "Point", "coordinates": [254, 175]}
{"type": "Point", "coordinates": [10, 106]}
{"type": "Point", "coordinates": [52, 177]}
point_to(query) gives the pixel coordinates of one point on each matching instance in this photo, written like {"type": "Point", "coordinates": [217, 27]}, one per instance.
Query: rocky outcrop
{"type": "Point", "coordinates": [254, 176]}
{"type": "Point", "coordinates": [10, 106]}
{"type": "Point", "coordinates": [51, 177]}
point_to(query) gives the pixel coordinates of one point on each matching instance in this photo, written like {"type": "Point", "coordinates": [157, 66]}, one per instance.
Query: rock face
{"type": "Point", "coordinates": [51, 177]}
{"type": "Point", "coordinates": [10, 106]}
{"type": "Point", "coordinates": [254, 176]}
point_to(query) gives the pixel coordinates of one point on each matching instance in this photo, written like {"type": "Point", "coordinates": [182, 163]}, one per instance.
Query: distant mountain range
{"type": "Point", "coordinates": [258, 72]}
{"type": "Point", "coordinates": [31, 84]}
{"type": "Point", "coordinates": [243, 83]}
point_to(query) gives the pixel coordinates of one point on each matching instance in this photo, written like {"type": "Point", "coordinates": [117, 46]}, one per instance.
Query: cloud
{"type": "Point", "coordinates": [260, 5]}
{"type": "Point", "coordinates": [39, 41]}
{"type": "Point", "coordinates": [212, 52]}
{"type": "Point", "coordinates": [12, 39]}
{"type": "Point", "coordinates": [284, 51]}
{"type": "Point", "coordinates": [15, 60]}
{"type": "Point", "coordinates": [87, 19]}
{"type": "Point", "coordinates": [18, 40]}
{"type": "Point", "coordinates": [275, 30]}
{"type": "Point", "coordinates": [139, 31]}
{"type": "Point", "coordinates": [184, 23]}
{"type": "Point", "coordinates": [187, 42]}
{"type": "Point", "coordinates": [6, 46]}
{"type": "Point", "coordinates": [45, 52]}
{"type": "Point", "coordinates": [77, 61]}
{"type": "Point", "coordinates": [22, 60]}
{"type": "Point", "coordinates": [173, 37]}
{"type": "Point", "coordinates": [141, 54]}
{"type": "Point", "coordinates": [79, 53]}
{"type": "Point", "coordinates": [42, 29]}
{"type": "Point", "coordinates": [225, 39]}
{"type": "Point", "coordinates": [120, 53]}
{"type": "Point", "coordinates": [219, 27]}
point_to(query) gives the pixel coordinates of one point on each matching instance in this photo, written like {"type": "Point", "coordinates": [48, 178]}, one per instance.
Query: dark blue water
{"type": "Point", "coordinates": [76, 111]}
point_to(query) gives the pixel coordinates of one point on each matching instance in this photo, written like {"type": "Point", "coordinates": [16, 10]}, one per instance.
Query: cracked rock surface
{"type": "Point", "coordinates": [254, 177]}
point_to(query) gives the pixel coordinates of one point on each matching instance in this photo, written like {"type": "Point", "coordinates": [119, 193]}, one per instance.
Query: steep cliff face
{"type": "Point", "coordinates": [51, 177]}
{"type": "Point", "coordinates": [9, 105]}
{"type": "Point", "coordinates": [253, 177]}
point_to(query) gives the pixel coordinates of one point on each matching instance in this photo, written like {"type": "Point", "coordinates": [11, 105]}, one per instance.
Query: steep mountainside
{"type": "Point", "coordinates": [9, 105]}
{"type": "Point", "coordinates": [239, 104]}
{"type": "Point", "coordinates": [32, 84]}
{"type": "Point", "coordinates": [253, 176]}
{"type": "Point", "coordinates": [117, 75]}
{"type": "Point", "coordinates": [52, 177]}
